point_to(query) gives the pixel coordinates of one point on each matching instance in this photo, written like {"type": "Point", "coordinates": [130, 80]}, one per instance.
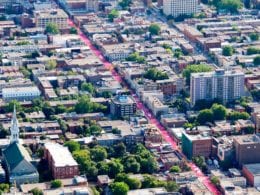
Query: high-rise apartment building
{"type": "Point", "coordinates": [180, 7]}
{"type": "Point", "coordinates": [220, 84]}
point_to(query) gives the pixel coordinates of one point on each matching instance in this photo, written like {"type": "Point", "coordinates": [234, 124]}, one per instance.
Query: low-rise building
{"type": "Point", "coordinates": [252, 174]}
{"type": "Point", "coordinates": [196, 145]}
{"type": "Point", "coordinates": [21, 93]}
{"type": "Point", "coordinates": [60, 161]}
{"type": "Point", "coordinates": [247, 149]}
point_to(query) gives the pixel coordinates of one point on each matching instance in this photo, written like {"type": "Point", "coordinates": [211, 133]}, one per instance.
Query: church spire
{"type": "Point", "coordinates": [14, 128]}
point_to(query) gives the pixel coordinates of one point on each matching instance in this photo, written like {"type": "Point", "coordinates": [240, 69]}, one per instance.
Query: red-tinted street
{"type": "Point", "coordinates": [205, 180]}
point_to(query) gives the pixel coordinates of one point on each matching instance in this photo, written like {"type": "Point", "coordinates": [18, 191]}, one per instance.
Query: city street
{"type": "Point", "coordinates": [206, 181]}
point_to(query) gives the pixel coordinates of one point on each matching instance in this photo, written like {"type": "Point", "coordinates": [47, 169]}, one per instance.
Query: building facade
{"type": "Point", "coordinates": [57, 16]}
{"type": "Point", "coordinates": [196, 145]}
{"type": "Point", "coordinates": [177, 8]}
{"type": "Point", "coordinates": [123, 106]}
{"type": "Point", "coordinates": [247, 149]}
{"type": "Point", "coordinates": [60, 161]}
{"type": "Point", "coordinates": [21, 93]}
{"type": "Point", "coordinates": [222, 85]}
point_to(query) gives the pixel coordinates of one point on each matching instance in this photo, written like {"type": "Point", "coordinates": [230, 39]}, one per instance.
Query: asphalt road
{"type": "Point", "coordinates": [203, 178]}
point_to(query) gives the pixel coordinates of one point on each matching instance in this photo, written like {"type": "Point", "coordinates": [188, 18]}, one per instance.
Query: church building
{"type": "Point", "coordinates": [17, 159]}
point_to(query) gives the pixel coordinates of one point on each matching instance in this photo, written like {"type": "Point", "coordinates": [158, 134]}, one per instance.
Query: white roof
{"type": "Point", "coordinates": [60, 155]}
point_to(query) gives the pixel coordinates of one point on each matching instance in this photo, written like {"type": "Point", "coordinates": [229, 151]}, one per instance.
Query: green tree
{"type": "Point", "coordinates": [154, 29]}
{"type": "Point", "coordinates": [115, 167]}
{"type": "Point", "coordinates": [84, 105]}
{"type": "Point", "coordinates": [4, 188]}
{"type": "Point", "coordinates": [131, 182]}
{"type": "Point", "coordinates": [230, 5]}
{"type": "Point", "coordinates": [219, 112]}
{"type": "Point", "coordinates": [72, 145]}
{"type": "Point", "coordinates": [135, 57]}
{"type": "Point", "coordinates": [257, 60]}
{"type": "Point", "coordinates": [134, 183]}
{"type": "Point", "coordinates": [234, 115]}
{"type": "Point", "coordinates": [194, 68]}
{"type": "Point", "coordinates": [52, 28]}
{"type": "Point", "coordinates": [9, 107]}
{"type": "Point", "coordinates": [199, 161]}
{"type": "Point", "coordinates": [252, 51]}
{"type": "Point", "coordinates": [171, 186]}
{"type": "Point", "coordinates": [98, 153]}
{"type": "Point", "coordinates": [56, 183]}
{"type": "Point", "coordinates": [119, 188]}
{"type": "Point", "coordinates": [254, 36]}
{"type": "Point", "coordinates": [87, 87]}
{"type": "Point", "coordinates": [131, 165]}
{"type": "Point", "coordinates": [149, 182]}
{"type": "Point", "coordinates": [214, 180]}
{"type": "Point", "coordinates": [103, 168]}
{"type": "Point", "coordinates": [205, 116]}
{"type": "Point", "coordinates": [149, 165]}
{"type": "Point", "coordinates": [154, 74]}
{"type": "Point", "coordinates": [60, 109]}
{"type": "Point", "coordinates": [36, 191]}
{"type": "Point", "coordinates": [125, 4]}
{"type": "Point", "coordinates": [73, 30]}
{"type": "Point", "coordinates": [119, 149]}
{"type": "Point", "coordinates": [228, 50]}
{"type": "Point", "coordinates": [113, 14]}
{"type": "Point", "coordinates": [175, 169]}
{"type": "Point", "coordinates": [51, 64]}
{"type": "Point", "coordinates": [94, 130]}
{"type": "Point", "coordinates": [48, 110]}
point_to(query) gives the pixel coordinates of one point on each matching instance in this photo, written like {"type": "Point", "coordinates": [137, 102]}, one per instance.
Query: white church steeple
{"type": "Point", "coordinates": [14, 128]}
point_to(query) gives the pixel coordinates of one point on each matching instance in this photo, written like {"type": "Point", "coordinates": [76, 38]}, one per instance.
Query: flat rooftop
{"type": "Point", "coordinates": [61, 155]}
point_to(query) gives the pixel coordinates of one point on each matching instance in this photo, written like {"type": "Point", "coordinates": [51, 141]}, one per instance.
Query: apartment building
{"type": "Point", "coordinates": [92, 5]}
{"type": "Point", "coordinates": [57, 16]}
{"type": "Point", "coordinates": [177, 8]}
{"type": "Point", "coordinates": [60, 161]}
{"type": "Point", "coordinates": [196, 145]}
{"type": "Point", "coordinates": [20, 93]}
{"type": "Point", "coordinates": [122, 106]}
{"type": "Point", "coordinates": [247, 149]}
{"type": "Point", "coordinates": [220, 84]}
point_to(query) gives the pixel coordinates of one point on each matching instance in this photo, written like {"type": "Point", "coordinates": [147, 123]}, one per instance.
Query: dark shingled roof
{"type": "Point", "coordinates": [14, 154]}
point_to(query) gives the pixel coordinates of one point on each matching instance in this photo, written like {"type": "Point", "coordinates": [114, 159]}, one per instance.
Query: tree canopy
{"type": "Point", "coordinates": [52, 28]}
{"type": "Point", "coordinates": [56, 183]}
{"type": "Point", "coordinates": [155, 74]}
{"type": "Point", "coordinates": [205, 116]}
{"type": "Point", "coordinates": [252, 51]}
{"type": "Point", "coordinates": [219, 111]}
{"type": "Point", "coordinates": [72, 145]}
{"type": "Point", "coordinates": [84, 105]}
{"type": "Point", "coordinates": [257, 61]}
{"type": "Point", "coordinates": [135, 57]}
{"type": "Point", "coordinates": [195, 68]}
{"type": "Point", "coordinates": [113, 14]}
{"type": "Point", "coordinates": [228, 50]}
{"type": "Point", "coordinates": [119, 188]}
{"type": "Point", "coordinates": [154, 29]}
{"type": "Point", "coordinates": [231, 6]}
{"type": "Point", "coordinates": [254, 36]}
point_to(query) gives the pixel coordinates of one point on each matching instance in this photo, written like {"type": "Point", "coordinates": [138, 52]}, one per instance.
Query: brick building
{"type": "Point", "coordinates": [247, 149]}
{"type": "Point", "coordinates": [60, 161]}
{"type": "Point", "coordinates": [196, 145]}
